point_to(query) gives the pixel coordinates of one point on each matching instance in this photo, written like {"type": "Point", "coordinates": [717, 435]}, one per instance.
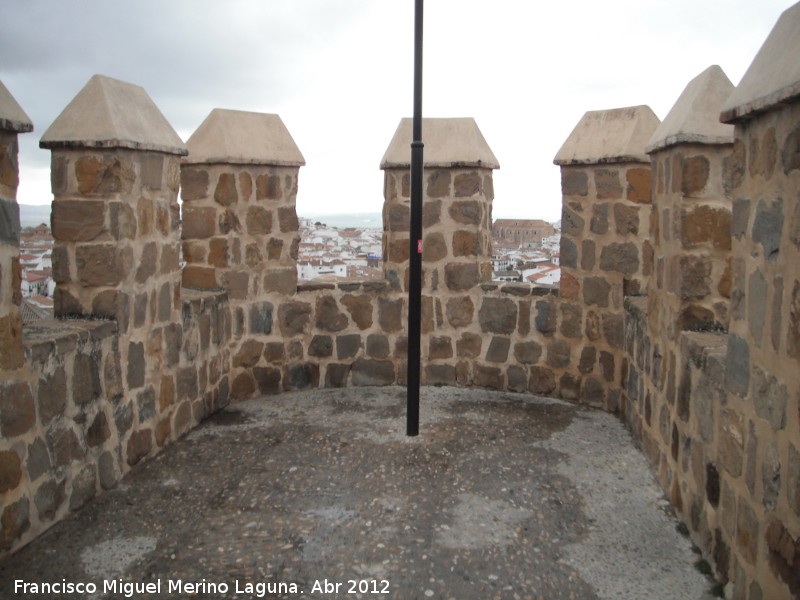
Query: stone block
{"type": "Point", "coordinates": [706, 226]}
{"type": "Point", "coordinates": [440, 375]}
{"type": "Point", "coordinates": [321, 346]}
{"type": "Point", "coordinates": [498, 315]}
{"type": "Point", "coordinates": [268, 379]}
{"type": "Point", "coordinates": [460, 311]}
{"type": "Point", "coordinates": [258, 221]}
{"type": "Point", "coordinates": [249, 354]}
{"type": "Point", "coordinates": [244, 386]}
{"type": "Point", "coordinates": [186, 383]}
{"type": "Point", "coordinates": [464, 212]}
{"type": "Point", "coordinates": [52, 395]}
{"type": "Point", "coordinates": [38, 462]}
{"type": "Point", "coordinates": [587, 359]}
{"type": "Point", "coordinates": [467, 184]}
{"type": "Point", "coordinates": [99, 431]}
{"type": "Point", "coordinates": [731, 442]}
{"type": "Point", "coordinates": [626, 219]}
{"type": "Point", "coordinates": [86, 386]}
{"type": "Point", "coordinates": [194, 183]}
{"type": "Point", "coordinates": [599, 222]}
{"type": "Point", "coordinates": [569, 253]}
{"type": "Point", "coordinates": [613, 326]}
{"type": "Point", "coordinates": [78, 220]}
{"type": "Point", "coordinates": [588, 255]}
{"type": "Point", "coordinates": [439, 183]}
{"type": "Point", "coordinates": [227, 222]}
{"type": "Point", "coordinates": [469, 345]}
{"type": "Point", "coordinates": [541, 381]}
{"type": "Point", "coordinates": [607, 184]}
{"type": "Point", "coordinates": [268, 187]}
{"type": "Point", "coordinates": [527, 352]}
{"type": "Point", "coordinates": [498, 349]}
{"type": "Point", "coordinates": [770, 398]}
{"type": "Point", "coordinates": [102, 265]}
{"type": "Point", "coordinates": [768, 227]}
{"type": "Point", "coordinates": [347, 346]}
{"type": "Point", "coordinates": [558, 354]}
{"type": "Point", "coordinates": [225, 193]}
{"type": "Point", "coordinates": [639, 187]}
{"type": "Point", "coordinates": [440, 347]}
{"type": "Point", "coordinates": [737, 361]}
{"type": "Point", "coordinates": [571, 320]}
{"type": "Point", "coordinates": [390, 314]}
{"type": "Point", "coordinates": [15, 522]}
{"type": "Point", "coordinates": [328, 315]}
{"type": "Point", "coordinates": [10, 470]}
{"type": "Point", "coordinates": [574, 182]}
{"type": "Point", "coordinates": [368, 372]}
{"type": "Point", "coordinates": [360, 308]}
{"type": "Point", "coordinates": [17, 409]}
{"type": "Point", "coordinates": [572, 224]}
{"type": "Point", "coordinates": [462, 276]}
{"type": "Point", "coordinates": [140, 443]}
{"type": "Point", "coordinates": [747, 531]}
{"type": "Point", "coordinates": [488, 377]}
{"type": "Point", "coordinates": [694, 176]}
{"type": "Point", "coordinates": [596, 291]}
{"type": "Point", "coordinates": [294, 317]}
{"type": "Point", "coordinates": [49, 498]}
{"type": "Point", "coordinates": [569, 386]}
{"type": "Point", "coordinates": [620, 257]}
{"type": "Point", "coordinates": [378, 346]}
{"type": "Point", "coordinates": [104, 175]}
{"type": "Point", "coordinates": [466, 243]}
{"type": "Point", "coordinates": [694, 277]}
{"type": "Point", "coordinates": [287, 219]}
{"type": "Point", "coordinates": [546, 316]}
{"type": "Point", "coordinates": [136, 365]}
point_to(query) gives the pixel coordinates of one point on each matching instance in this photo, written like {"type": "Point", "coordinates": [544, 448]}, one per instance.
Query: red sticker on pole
{"type": "Point", "coordinates": [419, 246]}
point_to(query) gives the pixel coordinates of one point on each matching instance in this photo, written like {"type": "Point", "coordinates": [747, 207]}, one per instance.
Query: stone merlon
{"type": "Point", "coordinates": [448, 143]}
{"type": "Point", "coordinates": [695, 116]}
{"type": "Point", "coordinates": [609, 136]}
{"type": "Point", "coordinates": [240, 137]}
{"type": "Point", "coordinates": [774, 75]}
{"type": "Point", "coordinates": [12, 117]}
{"type": "Point", "coordinates": [108, 113]}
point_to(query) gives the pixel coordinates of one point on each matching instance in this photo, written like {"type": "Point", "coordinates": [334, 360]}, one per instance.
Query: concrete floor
{"type": "Point", "coordinates": [500, 496]}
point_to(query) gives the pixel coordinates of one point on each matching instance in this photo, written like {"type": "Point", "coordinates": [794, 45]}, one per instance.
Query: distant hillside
{"type": "Point", "coordinates": [362, 220]}
{"type": "Point", "coordinates": [31, 215]}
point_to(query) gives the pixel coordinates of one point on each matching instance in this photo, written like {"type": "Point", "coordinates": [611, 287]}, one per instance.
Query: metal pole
{"type": "Point", "coordinates": [415, 250]}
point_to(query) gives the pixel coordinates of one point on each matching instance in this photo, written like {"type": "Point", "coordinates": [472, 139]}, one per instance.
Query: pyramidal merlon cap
{"type": "Point", "coordinates": [774, 75]}
{"type": "Point", "coordinates": [694, 118]}
{"type": "Point", "coordinates": [609, 136]}
{"type": "Point", "coordinates": [108, 113]}
{"type": "Point", "coordinates": [12, 117]}
{"type": "Point", "coordinates": [240, 137]}
{"type": "Point", "coordinates": [451, 142]}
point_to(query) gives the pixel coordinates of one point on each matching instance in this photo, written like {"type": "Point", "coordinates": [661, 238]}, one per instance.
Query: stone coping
{"type": "Point", "coordinates": [243, 138]}
{"type": "Point", "coordinates": [46, 336]}
{"type": "Point", "coordinates": [108, 113]}
{"type": "Point", "coordinates": [618, 135]}
{"type": "Point", "coordinates": [694, 119]}
{"type": "Point", "coordinates": [773, 77]}
{"type": "Point", "coordinates": [12, 117]}
{"type": "Point", "coordinates": [448, 143]}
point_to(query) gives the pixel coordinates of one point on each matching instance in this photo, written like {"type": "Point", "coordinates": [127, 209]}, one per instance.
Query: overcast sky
{"type": "Point", "coordinates": [339, 73]}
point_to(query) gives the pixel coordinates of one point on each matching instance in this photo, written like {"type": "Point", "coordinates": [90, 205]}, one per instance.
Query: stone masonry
{"type": "Point", "coordinates": [677, 308]}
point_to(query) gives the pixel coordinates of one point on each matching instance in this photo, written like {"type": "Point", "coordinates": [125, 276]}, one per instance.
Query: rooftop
{"type": "Point", "coordinates": [501, 495]}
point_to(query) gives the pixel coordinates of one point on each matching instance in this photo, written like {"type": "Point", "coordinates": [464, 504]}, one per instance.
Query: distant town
{"type": "Point", "coordinates": [524, 250]}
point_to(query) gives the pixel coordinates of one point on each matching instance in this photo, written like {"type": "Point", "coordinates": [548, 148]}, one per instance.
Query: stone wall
{"type": "Point", "coordinates": [712, 386]}
{"type": "Point", "coordinates": [678, 305]}
{"type": "Point", "coordinates": [132, 363]}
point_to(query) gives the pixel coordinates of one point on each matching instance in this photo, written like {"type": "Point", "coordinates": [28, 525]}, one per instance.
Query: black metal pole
{"type": "Point", "coordinates": [415, 250]}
